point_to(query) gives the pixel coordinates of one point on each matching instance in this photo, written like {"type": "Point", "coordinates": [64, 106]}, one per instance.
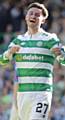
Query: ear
{"type": "Point", "coordinates": [43, 21]}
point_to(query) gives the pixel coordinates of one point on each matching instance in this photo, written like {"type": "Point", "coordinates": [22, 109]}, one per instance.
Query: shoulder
{"type": "Point", "coordinates": [50, 36]}
{"type": "Point", "coordinates": [20, 37]}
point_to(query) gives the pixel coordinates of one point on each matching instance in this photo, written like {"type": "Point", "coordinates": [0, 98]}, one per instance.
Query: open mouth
{"type": "Point", "coordinates": [32, 20]}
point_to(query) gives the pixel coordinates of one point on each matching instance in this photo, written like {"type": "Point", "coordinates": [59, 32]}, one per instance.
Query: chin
{"type": "Point", "coordinates": [32, 24]}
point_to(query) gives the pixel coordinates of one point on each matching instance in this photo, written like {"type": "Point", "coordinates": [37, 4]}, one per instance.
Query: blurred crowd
{"type": "Point", "coordinates": [12, 23]}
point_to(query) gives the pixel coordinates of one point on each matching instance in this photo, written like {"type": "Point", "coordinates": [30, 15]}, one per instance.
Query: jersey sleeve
{"type": "Point", "coordinates": [2, 61]}
{"type": "Point", "coordinates": [55, 42]}
{"type": "Point", "coordinates": [62, 61]}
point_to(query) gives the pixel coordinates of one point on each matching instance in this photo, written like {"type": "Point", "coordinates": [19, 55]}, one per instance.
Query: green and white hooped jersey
{"type": "Point", "coordinates": [34, 61]}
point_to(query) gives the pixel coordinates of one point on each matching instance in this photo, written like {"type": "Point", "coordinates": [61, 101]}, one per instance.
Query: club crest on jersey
{"type": "Point", "coordinates": [39, 44]}
{"type": "Point", "coordinates": [23, 43]}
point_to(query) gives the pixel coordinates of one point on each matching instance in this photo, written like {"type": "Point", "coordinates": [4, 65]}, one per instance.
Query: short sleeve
{"type": "Point", "coordinates": [55, 41]}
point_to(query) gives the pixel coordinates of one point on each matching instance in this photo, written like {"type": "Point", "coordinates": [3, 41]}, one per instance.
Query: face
{"type": "Point", "coordinates": [34, 17]}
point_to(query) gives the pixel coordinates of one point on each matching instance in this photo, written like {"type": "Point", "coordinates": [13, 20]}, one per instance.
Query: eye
{"type": "Point", "coordinates": [37, 14]}
{"type": "Point", "coordinates": [31, 13]}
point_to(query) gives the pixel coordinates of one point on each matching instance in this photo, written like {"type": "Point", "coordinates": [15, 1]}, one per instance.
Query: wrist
{"type": "Point", "coordinates": [7, 55]}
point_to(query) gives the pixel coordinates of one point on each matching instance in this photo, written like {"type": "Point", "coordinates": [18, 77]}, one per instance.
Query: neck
{"type": "Point", "coordinates": [33, 31]}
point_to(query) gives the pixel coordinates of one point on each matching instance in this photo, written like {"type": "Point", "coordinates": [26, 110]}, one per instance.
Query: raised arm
{"type": "Point", "coordinates": [8, 54]}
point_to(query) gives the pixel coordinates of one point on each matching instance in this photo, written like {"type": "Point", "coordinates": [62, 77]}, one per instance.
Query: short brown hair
{"type": "Point", "coordinates": [40, 6]}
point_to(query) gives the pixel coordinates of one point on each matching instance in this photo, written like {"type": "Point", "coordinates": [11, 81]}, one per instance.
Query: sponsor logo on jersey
{"type": "Point", "coordinates": [32, 57]}
{"type": "Point", "coordinates": [29, 57]}
{"type": "Point", "coordinates": [23, 43]}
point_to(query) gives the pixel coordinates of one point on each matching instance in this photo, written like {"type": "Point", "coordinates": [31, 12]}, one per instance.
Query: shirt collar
{"type": "Point", "coordinates": [40, 31]}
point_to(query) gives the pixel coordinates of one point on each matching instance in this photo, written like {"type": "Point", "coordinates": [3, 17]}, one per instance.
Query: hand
{"type": "Point", "coordinates": [14, 49]}
{"type": "Point", "coordinates": [8, 54]}
{"type": "Point", "coordinates": [56, 51]}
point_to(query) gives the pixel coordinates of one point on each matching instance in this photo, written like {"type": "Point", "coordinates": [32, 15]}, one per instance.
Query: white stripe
{"type": "Point", "coordinates": [57, 46]}
{"type": "Point", "coordinates": [35, 80]}
{"type": "Point", "coordinates": [38, 36]}
{"type": "Point", "coordinates": [34, 65]}
{"type": "Point", "coordinates": [35, 50]}
{"type": "Point", "coordinates": [11, 44]}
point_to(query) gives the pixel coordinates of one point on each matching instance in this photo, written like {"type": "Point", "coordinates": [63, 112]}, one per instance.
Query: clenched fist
{"type": "Point", "coordinates": [14, 49]}
{"type": "Point", "coordinates": [9, 53]}
{"type": "Point", "coordinates": [56, 51]}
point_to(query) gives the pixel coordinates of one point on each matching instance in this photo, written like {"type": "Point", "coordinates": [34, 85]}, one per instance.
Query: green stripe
{"type": "Point", "coordinates": [62, 61]}
{"type": "Point", "coordinates": [37, 58]}
{"type": "Point", "coordinates": [52, 42]}
{"type": "Point", "coordinates": [34, 87]}
{"type": "Point", "coordinates": [17, 41]}
{"type": "Point", "coordinates": [21, 72]}
{"type": "Point", "coordinates": [2, 61]}
{"type": "Point", "coordinates": [36, 43]}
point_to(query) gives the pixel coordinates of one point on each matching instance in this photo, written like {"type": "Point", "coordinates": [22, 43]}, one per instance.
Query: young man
{"type": "Point", "coordinates": [34, 53]}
